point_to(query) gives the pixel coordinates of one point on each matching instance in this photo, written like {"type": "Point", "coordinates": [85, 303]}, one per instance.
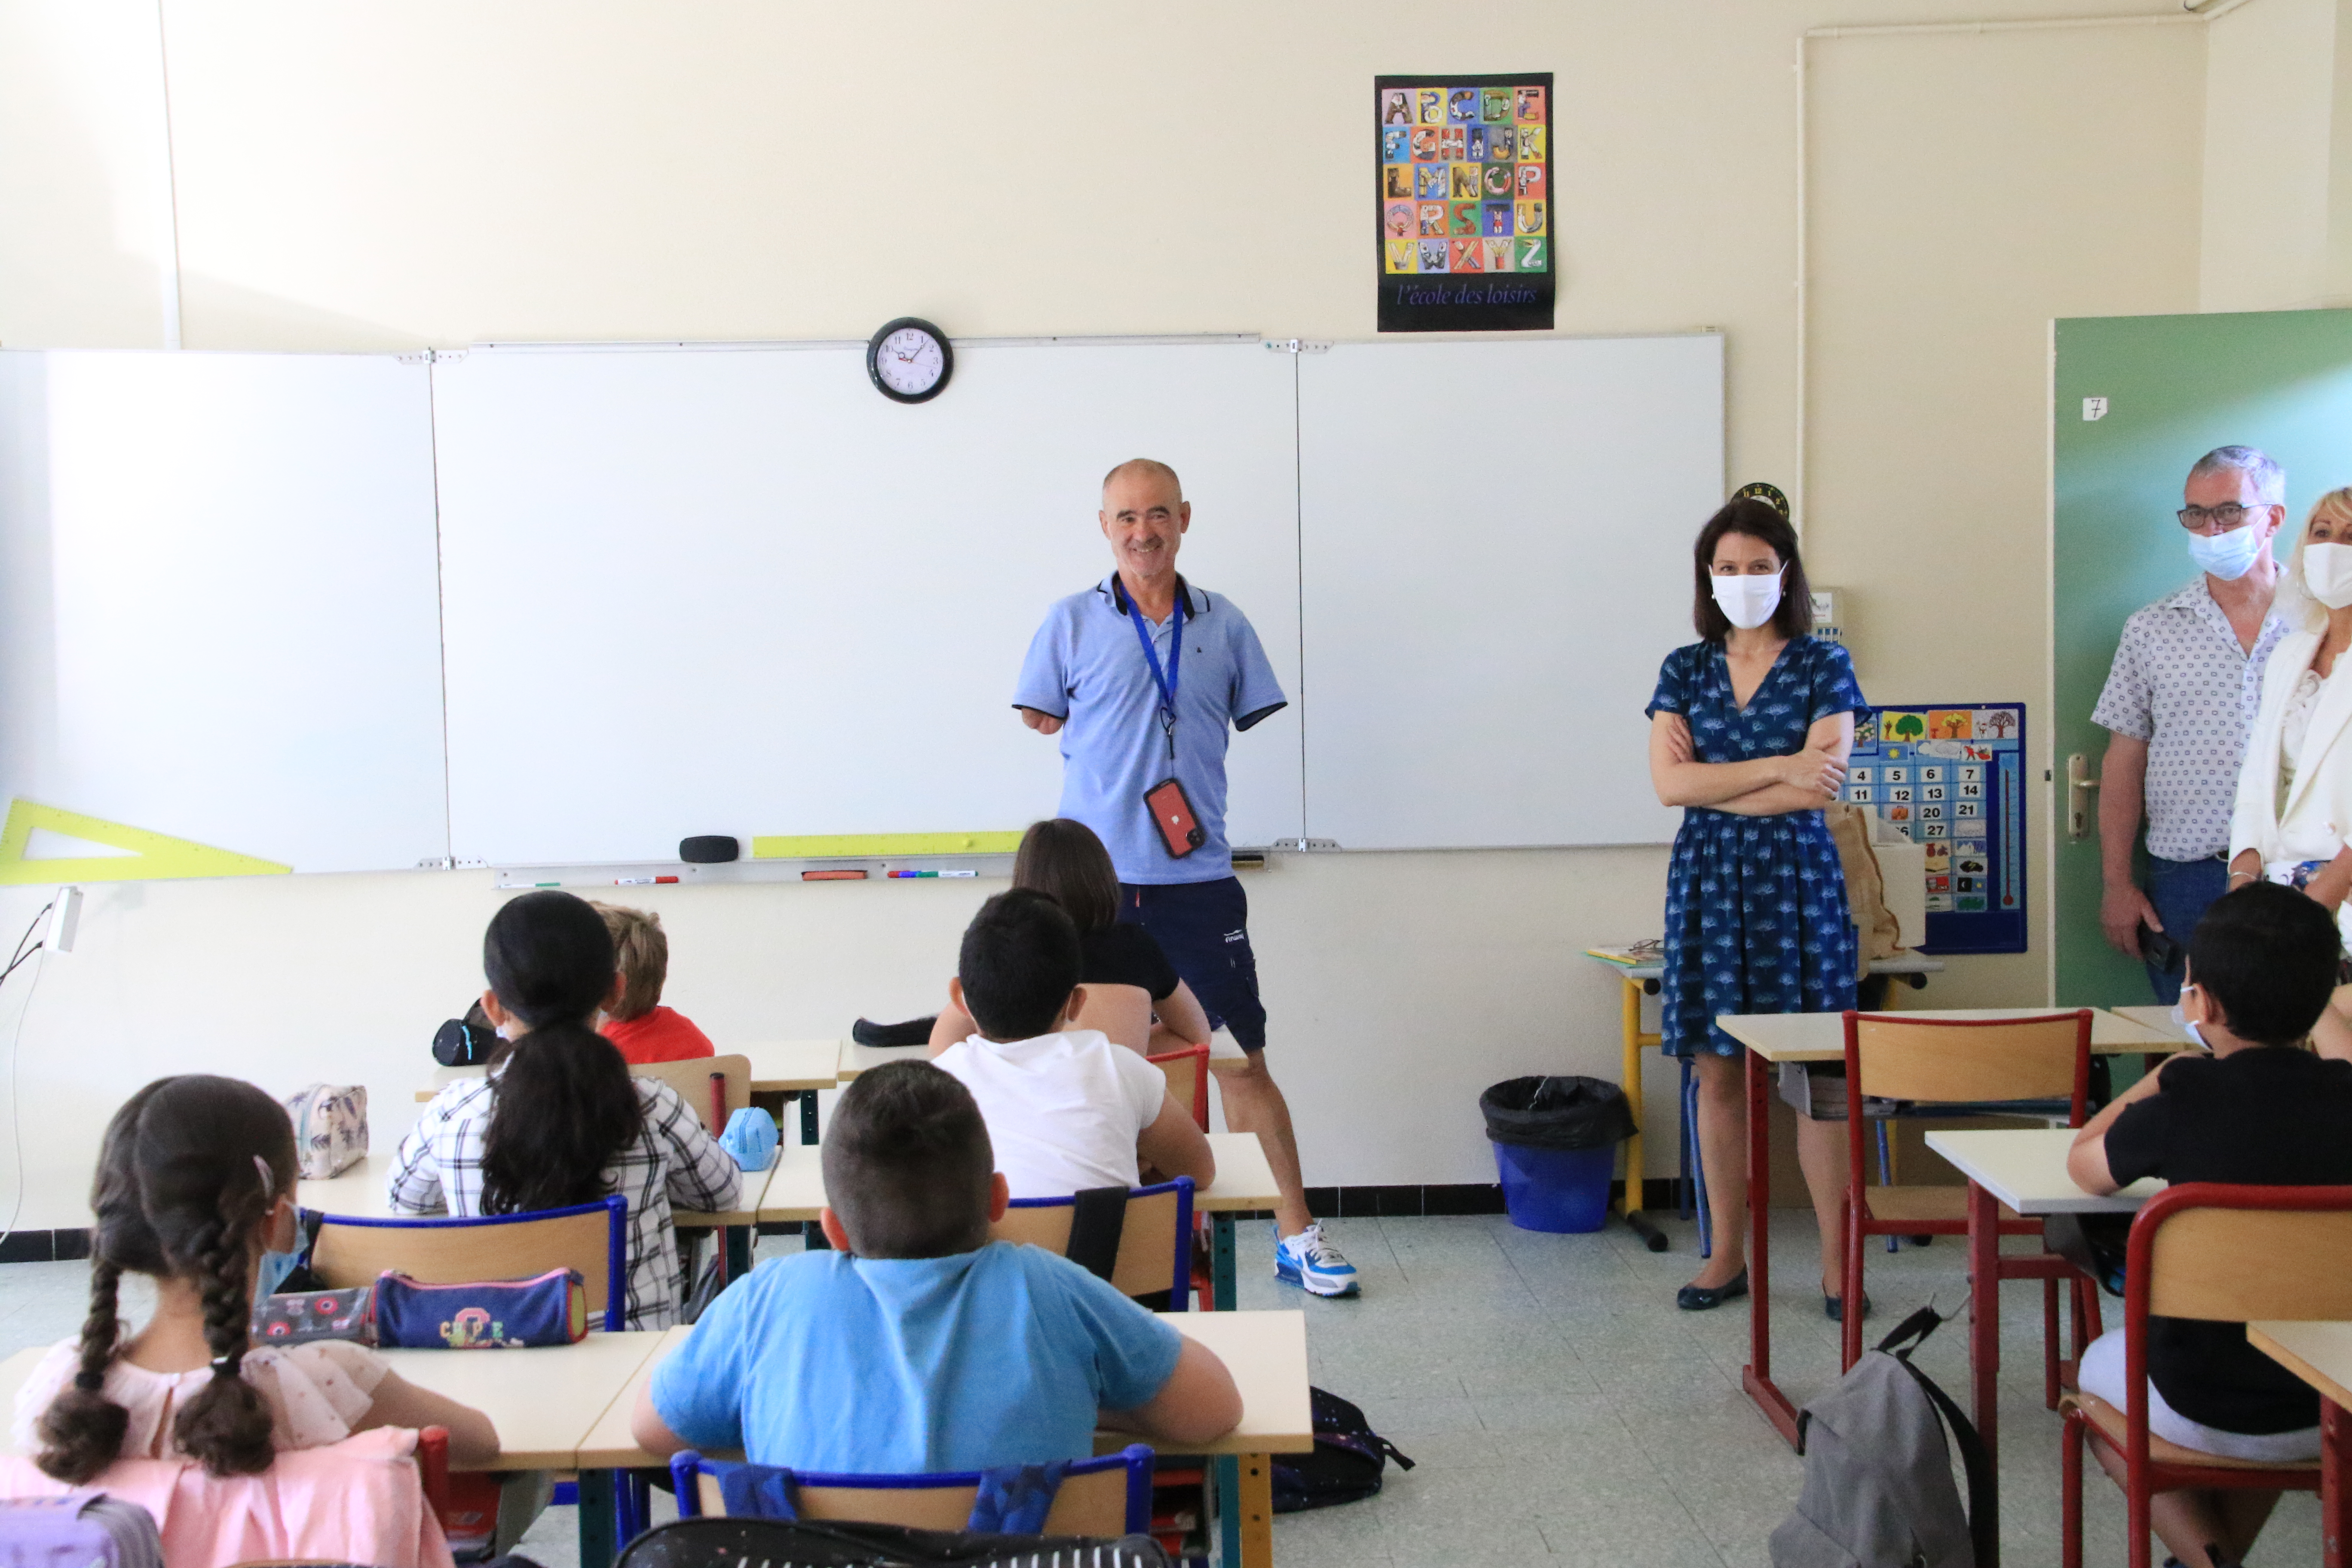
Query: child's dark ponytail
{"type": "Point", "coordinates": [190, 1169]}
{"type": "Point", "coordinates": [565, 1107]}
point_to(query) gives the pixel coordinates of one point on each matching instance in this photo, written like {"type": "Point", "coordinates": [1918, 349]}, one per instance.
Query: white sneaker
{"type": "Point", "coordinates": [1309, 1261]}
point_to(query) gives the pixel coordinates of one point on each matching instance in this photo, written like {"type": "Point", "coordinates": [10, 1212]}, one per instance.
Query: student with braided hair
{"type": "Point", "coordinates": [195, 1181]}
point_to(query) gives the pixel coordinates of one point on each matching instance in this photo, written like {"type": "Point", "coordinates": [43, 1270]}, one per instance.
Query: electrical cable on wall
{"type": "Point", "coordinates": [16, 1040]}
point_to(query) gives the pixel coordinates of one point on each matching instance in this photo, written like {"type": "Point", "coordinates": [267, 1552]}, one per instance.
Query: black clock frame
{"type": "Point", "coordinates": [874, 351]}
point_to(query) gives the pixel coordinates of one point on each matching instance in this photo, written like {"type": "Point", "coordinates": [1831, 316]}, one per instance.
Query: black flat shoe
{"type": "Point", "coordinates": [1833, 1307]}
{"type": "Point", "coordinates": [1705, 1299]}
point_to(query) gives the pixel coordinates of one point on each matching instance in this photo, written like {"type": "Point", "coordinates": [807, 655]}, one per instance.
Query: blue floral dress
{"type": "Point", "coordinates": [1755, 915]}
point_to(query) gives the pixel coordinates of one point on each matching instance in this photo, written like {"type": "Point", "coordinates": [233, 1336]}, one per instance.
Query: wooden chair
{"type": "Point", "coordinates": [691, 1079]}
{"type": "Point", "coordinates": [1157, 1234]}
{"type": "Point", "coordinates": [1188, 1080]}
{"type": "Point", "coordinates": [2222, 1254]}
{"type": "Point", "coordinates": [1110, 1496]}
{"type": "Point", "coordinates": [1977, 1063]}
{"type": "Point", "coordinates": [591, 1238]}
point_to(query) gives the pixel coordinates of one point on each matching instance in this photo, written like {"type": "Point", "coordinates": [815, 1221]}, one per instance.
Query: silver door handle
{"type": "Point", "coordinates": [2080, 783]}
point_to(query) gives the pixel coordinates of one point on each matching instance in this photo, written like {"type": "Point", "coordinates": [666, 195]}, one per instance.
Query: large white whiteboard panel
{"type": "Point", "coordinates": [737, 590]}
{"type": "Point", "coordinates": [220, 614]}
{"type": "Point", "coordinates": [1495, 547]}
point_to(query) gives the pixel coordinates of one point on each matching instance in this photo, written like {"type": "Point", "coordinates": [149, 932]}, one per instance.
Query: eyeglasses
{"type": "Point", "coordinates": [2224, 517]}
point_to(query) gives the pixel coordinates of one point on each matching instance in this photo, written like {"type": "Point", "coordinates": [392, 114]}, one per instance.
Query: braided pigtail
{"type": "Point", "coordinates": [81, 1431]}
{"type": "Point", "coordinates": [226, 1427]}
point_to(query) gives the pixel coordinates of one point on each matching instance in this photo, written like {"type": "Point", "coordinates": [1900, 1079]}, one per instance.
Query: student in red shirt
{"type": "Point", "coordinates": [644, 1029]}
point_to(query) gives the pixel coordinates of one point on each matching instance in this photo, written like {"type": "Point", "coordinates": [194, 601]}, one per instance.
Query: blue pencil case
{"type": "Point", "coordinates": [496, 1314]}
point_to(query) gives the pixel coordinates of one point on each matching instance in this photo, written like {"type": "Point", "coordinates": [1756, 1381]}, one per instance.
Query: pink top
{"type": "Point", "coordinates": [315, 1392]}
{"type": "Point", "coordinates": [360, 1500]}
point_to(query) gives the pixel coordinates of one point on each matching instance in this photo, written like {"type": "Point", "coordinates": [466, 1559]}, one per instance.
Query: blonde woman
{"type": "Point", "coordinates": [2295, 791]}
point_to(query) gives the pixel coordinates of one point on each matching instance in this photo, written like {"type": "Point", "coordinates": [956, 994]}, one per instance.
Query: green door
{"type": "Point", "coordinates": [2175, 387]}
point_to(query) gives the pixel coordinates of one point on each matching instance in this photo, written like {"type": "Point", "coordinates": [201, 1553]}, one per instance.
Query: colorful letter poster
{"type": "Point", "coordinates": [1465, 202]}
{"type": "Point", "coordinates": [1953, 778]}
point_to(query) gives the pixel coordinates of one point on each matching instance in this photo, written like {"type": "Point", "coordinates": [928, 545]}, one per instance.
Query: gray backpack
{"type": "Point", "coordinates": [1878, 1473]}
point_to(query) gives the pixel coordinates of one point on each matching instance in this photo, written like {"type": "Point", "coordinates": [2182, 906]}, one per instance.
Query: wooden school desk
{"type": "Point", "coordinates": [2321, 1354]}
{"type": "Point", "coordinates": [1642, 979]}
{"type": "Point", "coordinates": [1772, 1038]}
{"type": "Point", "coordinates": [1266, 1351]}
{"type": "Point", "coordinates": [2024, 1167]}
{"type": "Point", "coordinates": [1225, 1051]}
{"type": "Point", "coordinates": [543, 1403]}
{"type": "Point", "coordinates": [361, 1193]}
{"type": "Point", "coordinates": [1245, 1184]}
{"type": "Point", "coordinates": [779, 1067]}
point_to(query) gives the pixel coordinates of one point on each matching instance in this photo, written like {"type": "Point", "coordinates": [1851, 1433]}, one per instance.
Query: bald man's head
{"type": "Point", "coordinates": [1146, 468]}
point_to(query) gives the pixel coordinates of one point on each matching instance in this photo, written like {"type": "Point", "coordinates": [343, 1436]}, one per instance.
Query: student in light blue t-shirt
{"type": "Point", "coordinates": [919, 1345]}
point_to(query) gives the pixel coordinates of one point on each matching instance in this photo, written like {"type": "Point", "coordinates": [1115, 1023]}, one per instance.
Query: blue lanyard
{"type": "Point", "coordinates": [1166, 680]}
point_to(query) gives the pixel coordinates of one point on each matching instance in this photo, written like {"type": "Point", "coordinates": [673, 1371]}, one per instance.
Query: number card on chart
{"type": "Point", "coordinates": [1953, 779]}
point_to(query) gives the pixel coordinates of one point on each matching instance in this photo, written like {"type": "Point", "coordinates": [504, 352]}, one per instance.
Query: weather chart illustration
{"type": "Point", "coordinates": [1465, 202]}
{"type": "Point", "coordinates": [1953, 779]}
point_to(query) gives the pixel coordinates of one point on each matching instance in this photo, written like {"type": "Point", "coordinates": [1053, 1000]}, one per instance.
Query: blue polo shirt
{"type": "Point", "coordinates": [820, 1361]}
{"type": "Point", "coordinates": [1086, 665]}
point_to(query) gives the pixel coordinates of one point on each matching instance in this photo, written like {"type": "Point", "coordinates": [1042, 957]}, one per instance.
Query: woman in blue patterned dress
{"type": "Point", "coordinates": [1748, 733]}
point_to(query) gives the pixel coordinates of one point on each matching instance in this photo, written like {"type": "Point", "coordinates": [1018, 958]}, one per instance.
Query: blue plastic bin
{"type": "Point", "coordinates": [1558, 1190]}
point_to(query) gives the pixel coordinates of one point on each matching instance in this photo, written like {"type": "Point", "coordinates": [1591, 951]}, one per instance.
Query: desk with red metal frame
{"type": "Point", "coordinates": [2321, 1354]}
{"type": "Point", "coordinates": [1772, 1038]}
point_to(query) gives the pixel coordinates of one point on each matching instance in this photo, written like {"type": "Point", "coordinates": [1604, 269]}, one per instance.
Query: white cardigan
{"type": "Point", "coordinates": [2320, 806]}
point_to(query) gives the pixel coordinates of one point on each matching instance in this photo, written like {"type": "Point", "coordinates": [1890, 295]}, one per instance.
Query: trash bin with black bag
{"type": "Point", "coordinates": [1555, 1142]}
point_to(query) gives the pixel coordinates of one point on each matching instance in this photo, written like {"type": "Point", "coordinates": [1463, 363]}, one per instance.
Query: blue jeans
{"type": "Point", "coordinates": [2180, 890]}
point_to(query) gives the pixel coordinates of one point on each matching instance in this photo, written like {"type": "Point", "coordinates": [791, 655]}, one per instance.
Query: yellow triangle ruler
{"type": "Point", "coordinates": [880, 845]}
{"type": "Point", "coordinates": [152, 855]}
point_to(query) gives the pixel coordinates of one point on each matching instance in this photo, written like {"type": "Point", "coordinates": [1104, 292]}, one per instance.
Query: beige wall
{"type": "Point", "coordinates": [365, 176]}
{"type": "Point", "coordinates": [2275, 71]}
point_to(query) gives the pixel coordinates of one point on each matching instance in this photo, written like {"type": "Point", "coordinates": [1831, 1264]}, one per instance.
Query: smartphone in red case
{"type": "Point", "coordinates": [1171, 813]}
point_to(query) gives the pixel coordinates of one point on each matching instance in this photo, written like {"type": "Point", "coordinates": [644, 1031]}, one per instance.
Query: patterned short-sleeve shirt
{"type": "Point", "coordinates": [2182, 683]}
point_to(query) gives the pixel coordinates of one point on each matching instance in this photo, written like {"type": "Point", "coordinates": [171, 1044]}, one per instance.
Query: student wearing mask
{"type": "Point", "coordinates": [2179, 701]}
{"type": "Point", "coordinates": [2258, 1109]}
{"type": "Point", "coordinates": [1749, 734]}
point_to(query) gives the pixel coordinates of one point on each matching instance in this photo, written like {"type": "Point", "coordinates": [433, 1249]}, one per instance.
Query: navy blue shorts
{"type": "Point", "coordinates": [1203, 928]}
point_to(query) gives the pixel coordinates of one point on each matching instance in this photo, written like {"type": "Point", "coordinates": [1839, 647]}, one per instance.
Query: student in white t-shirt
{"type": "Point", "coordinates": [1066, 1108]}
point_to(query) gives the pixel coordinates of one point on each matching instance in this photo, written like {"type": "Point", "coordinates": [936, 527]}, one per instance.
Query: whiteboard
{"type": "Point", "coordinates": [1494, 543]}
{"type": "Point", "coordinates": [219, 616]}
{"type": "Point", "coordinates": [736, 591]}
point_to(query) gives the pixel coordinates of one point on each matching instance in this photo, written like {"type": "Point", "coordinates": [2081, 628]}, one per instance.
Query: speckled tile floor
{"type": "Point", "coordinates": [1558, 1404]}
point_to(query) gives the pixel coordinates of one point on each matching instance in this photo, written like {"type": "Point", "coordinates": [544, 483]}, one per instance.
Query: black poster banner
{"type": "Point", "coordinates": [1465, 210]}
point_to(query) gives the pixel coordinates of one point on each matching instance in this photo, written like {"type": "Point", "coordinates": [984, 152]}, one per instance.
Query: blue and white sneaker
{"type": "Point", "coordinates": [1314, 1264]}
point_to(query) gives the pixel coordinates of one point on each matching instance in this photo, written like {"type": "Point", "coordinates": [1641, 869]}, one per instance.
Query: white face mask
{"type": "Point", "coordinates": [1748, 602]}
{"type": "Point", "coordinates": [2327, 573]}
{"type": "Point", "coordinates": [2228, 556]}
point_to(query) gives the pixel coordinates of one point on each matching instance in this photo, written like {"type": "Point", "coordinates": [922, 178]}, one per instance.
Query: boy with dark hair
{"type": "Point", "coordinates": [2259, 1109]}
{"type": "Point", "coordinates": [919, 1345]}
{"type": "Point", "coordinates": [1066, 1109]}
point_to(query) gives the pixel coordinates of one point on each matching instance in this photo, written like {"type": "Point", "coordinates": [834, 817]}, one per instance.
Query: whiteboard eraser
{"type": "Point", "coordinates": [707, 850]}
{"type": "Point", "coordinates": [833, 876]}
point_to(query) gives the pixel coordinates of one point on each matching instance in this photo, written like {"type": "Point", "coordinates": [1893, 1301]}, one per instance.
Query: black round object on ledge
{"type": "Point", "coordinates": [708, 848]}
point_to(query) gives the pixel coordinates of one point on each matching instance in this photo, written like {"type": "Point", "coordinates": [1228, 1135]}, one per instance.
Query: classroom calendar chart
{"type": "Point", "coordinates": [1953, 779]}
{"type": "Point", "coordinates": [1465, 202]}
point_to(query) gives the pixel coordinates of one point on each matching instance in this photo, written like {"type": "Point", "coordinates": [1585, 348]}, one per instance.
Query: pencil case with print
{"type": "Point", "coordinates": [302, 1316]}
{"type": "Point", "coordinates": [495, 1314]}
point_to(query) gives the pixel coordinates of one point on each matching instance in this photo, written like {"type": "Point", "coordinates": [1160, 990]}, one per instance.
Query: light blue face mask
{"type": "Point", "coordinates": [2189, 1025]}
{"type": "Point", "coordinates": [2230, 555]}
{"type": "Point", "coordinates": [272, 1271]}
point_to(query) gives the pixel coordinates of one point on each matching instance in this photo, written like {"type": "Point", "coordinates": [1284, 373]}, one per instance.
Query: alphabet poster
{"type": "Point", "coordinates": [1952, 777]}
{"type": "Point", "coordinates": [1465, 202]}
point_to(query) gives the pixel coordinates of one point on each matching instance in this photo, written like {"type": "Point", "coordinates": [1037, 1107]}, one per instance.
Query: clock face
{"type": "Point", "coordinates": [910, 361]}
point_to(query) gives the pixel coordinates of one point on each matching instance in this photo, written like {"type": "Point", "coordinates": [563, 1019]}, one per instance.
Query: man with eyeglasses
{"type": "Point", "coordinates": [2179, 702]}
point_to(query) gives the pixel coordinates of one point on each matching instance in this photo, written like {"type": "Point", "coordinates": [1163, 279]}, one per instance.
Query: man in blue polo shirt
{"type": "Point", "coordinates": [1140, 675]}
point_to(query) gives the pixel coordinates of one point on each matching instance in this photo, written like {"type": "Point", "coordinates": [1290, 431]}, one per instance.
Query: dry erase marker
{"type": "Point", "coordinates": [640, 881]}
{"type": "Point", "coordinates": [547, 884]}
{"type": "Point", "coordinates": [833, 876]}
{"type": "Point", "coordinates": [935, 873]}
